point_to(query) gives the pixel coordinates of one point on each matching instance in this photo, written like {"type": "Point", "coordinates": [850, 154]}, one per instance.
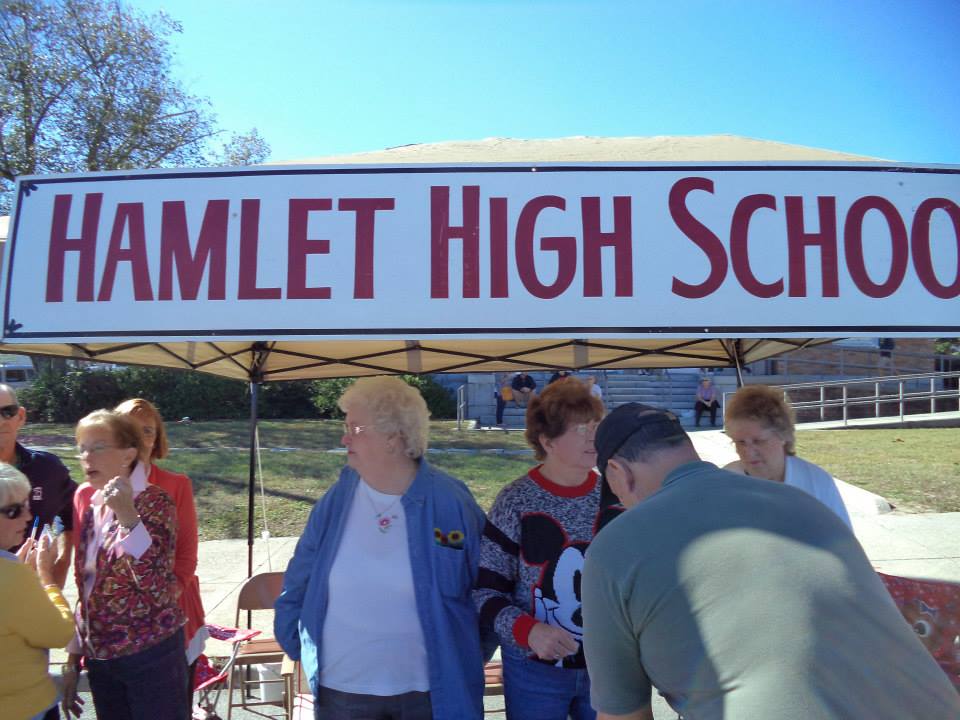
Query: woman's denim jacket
{"type": "Point", "coordinates": [444, 526]}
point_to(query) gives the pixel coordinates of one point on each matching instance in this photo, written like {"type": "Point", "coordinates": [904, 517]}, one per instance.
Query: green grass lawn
{"type": "Point", "coordinates": [916, 470]}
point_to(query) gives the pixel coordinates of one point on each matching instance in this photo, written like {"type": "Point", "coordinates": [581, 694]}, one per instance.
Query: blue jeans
{"type": "Point", "coordinates": [534, 690]}
{"type": "Point", "coordinates": [146, 685]}
{"type": "Point", "coordinates": [337, 705]}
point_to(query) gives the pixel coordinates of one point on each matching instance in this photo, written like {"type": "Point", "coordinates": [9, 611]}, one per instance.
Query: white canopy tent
{"type": "Point", "coordinates": [577, 253]}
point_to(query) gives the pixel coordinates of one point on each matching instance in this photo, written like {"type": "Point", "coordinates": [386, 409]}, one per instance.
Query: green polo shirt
{"type": "Point", "coordinates": [740, 598]}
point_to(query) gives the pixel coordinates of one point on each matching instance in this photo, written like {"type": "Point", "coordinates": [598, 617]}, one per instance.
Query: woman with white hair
{"type": "Point", "coordinates": [33, 614]}
{"type": "Point", "coordinates": [376, 600]}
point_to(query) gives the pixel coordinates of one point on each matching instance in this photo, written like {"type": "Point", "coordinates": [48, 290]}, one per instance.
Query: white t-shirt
{"type": "Point", "coordinates": [372, 640]}
{"type": "Point", "coordinates": [810, 478]}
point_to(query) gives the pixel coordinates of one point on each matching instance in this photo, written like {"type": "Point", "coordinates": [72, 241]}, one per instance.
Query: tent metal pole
{"type": "Point", "coordinates": [738, 361]}
{"type": "Point", "coordinates": [254, 389]}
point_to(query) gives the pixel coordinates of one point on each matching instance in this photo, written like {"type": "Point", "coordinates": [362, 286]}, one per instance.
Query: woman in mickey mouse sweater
{"type": "Point", "coordinates": [531, 557]}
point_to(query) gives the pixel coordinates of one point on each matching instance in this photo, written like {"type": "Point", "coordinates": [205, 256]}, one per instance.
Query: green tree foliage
{"type": "Point", "coordinates": [67, 397]}
{"type": "Point", "coordinates": [86, 85]}
{"type": "Point", "coordinates": [244, 149]}
{"type": "Point", "coordinates": [947, 346]}
{"type": "Point", "coordinates": [326, 393]}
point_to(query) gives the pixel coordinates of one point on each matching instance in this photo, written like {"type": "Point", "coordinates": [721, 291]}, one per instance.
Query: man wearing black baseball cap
{"type": "Point", "coordinates": [737, 597]}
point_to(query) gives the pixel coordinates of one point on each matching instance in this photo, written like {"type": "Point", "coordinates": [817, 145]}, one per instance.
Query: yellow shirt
{"type": "Point", "coordinates": [32, 620]}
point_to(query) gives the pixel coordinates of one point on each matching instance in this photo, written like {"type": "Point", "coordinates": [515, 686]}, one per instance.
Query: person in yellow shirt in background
{"type": "Point", "coordinates": [34, 617]}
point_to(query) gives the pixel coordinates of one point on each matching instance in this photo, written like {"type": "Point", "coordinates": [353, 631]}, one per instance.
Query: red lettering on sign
{"type": "Point", "coordinates": [739, 250]}
{"type": "Point", "coordinates": [853, 246]}
{"type": "Point", "coordinates": [299, 246]}
{"type": "Point", "coordinates": [920, 245]}
{"type": "Point", "coordinates": [564, 247]}
{"type": "Point", "coordinates": [701, 236]}
{"type": "Point", "coordinates": [798, 240]}
{"type": "Point", "coordinates": [86, 245]}
{"type": "Point", "coordinates": [621, 240]}
{"type": "Point", "coordinates": [249, 240]}
{"type": "Point", "coordinates": [441, 233]}
{"type": "Point", "coordinates": [129, 216]}
{"type": "Point", "coordinates": [211, 249]}
{"type": "Point", "coordinates": [366, 210]}
{"type": "Point", "coordinates": [499, 255]}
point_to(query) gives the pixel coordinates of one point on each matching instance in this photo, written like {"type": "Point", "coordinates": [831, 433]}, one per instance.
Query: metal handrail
{"type": "Point", "coordinates": [863, 360]}
{"type": "Point", "coordinates": [901, 396]}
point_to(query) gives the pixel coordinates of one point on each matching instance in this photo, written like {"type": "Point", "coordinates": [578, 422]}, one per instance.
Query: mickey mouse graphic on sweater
{"type": "Point", "coordinates": [531, 557]}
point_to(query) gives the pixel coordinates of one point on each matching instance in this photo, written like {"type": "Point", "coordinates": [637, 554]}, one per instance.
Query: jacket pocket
{"type": "Point", "coordinates": [450, 570]}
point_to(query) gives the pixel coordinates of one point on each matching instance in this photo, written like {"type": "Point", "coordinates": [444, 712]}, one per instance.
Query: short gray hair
{"type": "Point", "coordinates": [396, 407]}
{"type": "Point", "coordinates": [13, 485]}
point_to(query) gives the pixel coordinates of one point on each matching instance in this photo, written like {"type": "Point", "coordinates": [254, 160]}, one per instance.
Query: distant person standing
{"type": "Point", "coordinates": [501, 393]}
{"type": "Point", "coordinates": [51, 488]}
{"type": "Point", "coordinates": [706, 400]}
{"type": "Point", "coordinates": [523, 387]}
{"type": "Point", "coordinates": [887, 363]}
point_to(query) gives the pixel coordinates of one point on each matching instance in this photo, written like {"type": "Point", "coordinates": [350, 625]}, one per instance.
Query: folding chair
{"type": "Point", "coordinates": [493, 683]}
{"type": "Point", "coordinates": [258, 593]}
{"type": "Point", "coordinates": [299, 698]}
{"type": "Point", "coordinates": [211, 679]}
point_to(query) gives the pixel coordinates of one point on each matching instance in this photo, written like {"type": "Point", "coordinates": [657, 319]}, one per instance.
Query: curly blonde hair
{"type": "Point", "coordinates": [396, 407]}
{"type": "Point", "coordinates": [767, 406]}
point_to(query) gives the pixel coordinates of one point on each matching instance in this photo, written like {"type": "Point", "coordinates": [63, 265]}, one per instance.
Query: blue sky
{"type": "Point", "coordinates": [878, 78]}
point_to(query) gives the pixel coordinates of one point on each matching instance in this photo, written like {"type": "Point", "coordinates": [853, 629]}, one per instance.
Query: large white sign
{"type": "Point", "coordinates": [486, 251]}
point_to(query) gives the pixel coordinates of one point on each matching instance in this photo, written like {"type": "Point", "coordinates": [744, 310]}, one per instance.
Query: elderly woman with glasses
{"type": "Point", "coordinates": [376, 599]}
{"type": "Point", "coordinates": [34, 617]}
{"type": "Point", "coordinates": [129, 625]}
{"type": "Point", "coordinates": [180, 490]}
{"type": "Point", "coordinates": [760, 423]}
{"type": "Point", "coordinates": [532, 554]}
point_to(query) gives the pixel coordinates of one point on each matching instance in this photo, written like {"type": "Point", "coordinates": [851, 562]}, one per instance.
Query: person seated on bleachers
{"type": "Point", "coordinates": [706, 400]}
{"type": "Point", "coordinates": [524, 387]}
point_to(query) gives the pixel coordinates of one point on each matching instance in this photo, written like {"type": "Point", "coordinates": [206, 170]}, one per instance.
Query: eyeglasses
{"type": "Point", "coordinates": [14, 511]}
{"type": "Point", "coordinates": [744, 443]}
{"type": "Point", "coordinates": [10, 411]}
{"type": "Point", "coordinates": [587, 428]}
{"type": "Point", "coordinates": [93, 449]}
{"type": "Point", "coordinates": [354, 429]}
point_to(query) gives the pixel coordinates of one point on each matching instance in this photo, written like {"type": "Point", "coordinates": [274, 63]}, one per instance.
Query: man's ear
{"type": "Point", "coordinates": [615, 479]}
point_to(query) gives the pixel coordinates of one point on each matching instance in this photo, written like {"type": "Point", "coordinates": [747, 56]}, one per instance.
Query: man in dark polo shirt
{"type": "Point", "coordinates": [52, 488]}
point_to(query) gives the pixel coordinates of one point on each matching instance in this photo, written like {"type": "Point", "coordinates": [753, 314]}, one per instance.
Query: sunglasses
{"type": "Point", "coordinates": [9, 411]}
{"type": "Point", "coordinates": [14, 511]}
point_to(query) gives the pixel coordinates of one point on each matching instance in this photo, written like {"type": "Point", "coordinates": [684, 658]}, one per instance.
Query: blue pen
{"type": "Point", "coordinates": [36, 524]}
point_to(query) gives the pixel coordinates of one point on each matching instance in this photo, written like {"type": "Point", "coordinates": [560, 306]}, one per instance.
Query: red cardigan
{"type": "Point", "coordinates": [180, 490]}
